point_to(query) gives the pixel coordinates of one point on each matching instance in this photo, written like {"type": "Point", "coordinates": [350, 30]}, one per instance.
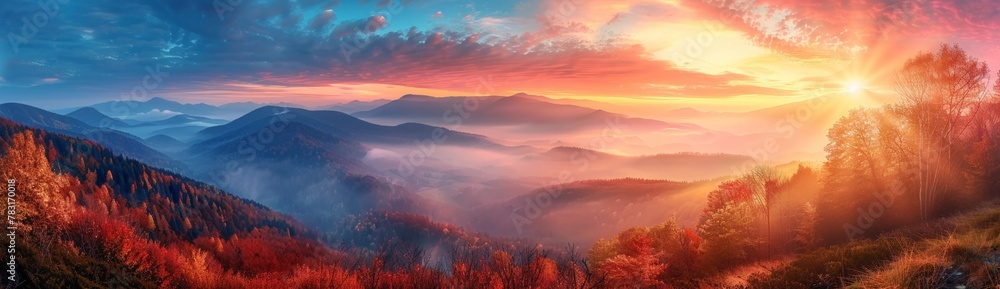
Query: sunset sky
{"type": "Point", "coordinates": [712, 54]}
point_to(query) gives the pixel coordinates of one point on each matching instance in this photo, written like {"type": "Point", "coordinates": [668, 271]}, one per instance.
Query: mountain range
{"type": "Point", "coordinates": [322, 166]}
{"type": "Point", "coordinates": [120, 142]}
{"type": "Point", "coordinates": [355, 105]}
{"type": "Point", "coordinates": [342, 125]}
{"type": "Point", "coordinates": [158, 108]}
{"type": "Point", "coordinates": [534, 114]}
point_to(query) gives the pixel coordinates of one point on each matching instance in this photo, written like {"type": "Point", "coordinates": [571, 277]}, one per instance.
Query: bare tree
{"type": "Point", "coordinates": [765, 187]}
{"type": "Point", "coordinates": [939, 91]}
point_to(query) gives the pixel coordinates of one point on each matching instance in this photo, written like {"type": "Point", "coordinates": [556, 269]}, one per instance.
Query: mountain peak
{"type": "Point", "coordinates": [530, 96]}
{"type": "Point", "coordinates": [87, 110]}
{"type": "Point", "coordinates": [93, 117]}
{"type": "Point", "coordinates": [160, 100]}
{"type": "Point", "coordinates": [415, 97]}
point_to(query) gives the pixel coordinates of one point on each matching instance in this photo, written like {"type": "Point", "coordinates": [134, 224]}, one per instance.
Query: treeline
{"type": "Point", "coordinates": [932, 154]}
{"type": "Point", "coordinates": [753, 217]}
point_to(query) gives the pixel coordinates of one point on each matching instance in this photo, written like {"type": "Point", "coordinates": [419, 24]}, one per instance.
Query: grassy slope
{"type": "Point", "coordinates": [947, 253]}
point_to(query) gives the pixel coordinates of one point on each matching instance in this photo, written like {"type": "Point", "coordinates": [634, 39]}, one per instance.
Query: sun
{"type": "Point", "coordinates": [853, 87]}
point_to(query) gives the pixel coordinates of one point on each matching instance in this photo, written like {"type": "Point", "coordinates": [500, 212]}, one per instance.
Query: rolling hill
{"type": "Point", "coordinates": [184, 119]}
{"type": "Point", "coordinates": [95, 118]}
{"type": "Point", "coordinates": [312, 158]}
{"type": "Point", "coordinates": [135, 226]}
{"type": "Point", "coordinates": [581, 212]}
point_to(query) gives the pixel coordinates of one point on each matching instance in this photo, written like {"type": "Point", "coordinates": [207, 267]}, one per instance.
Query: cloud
{"type": "Point", "coordinates": [359, 26]}
{"type": "Point", "coordinates": [154, 115]}
{"type": "Point", "coordinates": [437, 15]}
{"type": "Point", "coordinates": [448, 61]}
{"type": "Point", "coordinates": [326, 4]}
{"type": "Point", "coordinates": [811, 28]}
{"type": "Point", "coordinates": [322, 20]}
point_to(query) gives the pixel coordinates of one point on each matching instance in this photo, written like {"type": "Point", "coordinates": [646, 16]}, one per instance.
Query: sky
{"type": "Point", "coordinates": [710, 54]}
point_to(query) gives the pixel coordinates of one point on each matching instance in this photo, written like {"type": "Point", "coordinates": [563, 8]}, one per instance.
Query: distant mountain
{"type": "Point", "coordinates": [355, 106]}
{"type": "Point", "coordinates": [567, 101]}
{"type": "Point", "coordinates": [120, 142]}
{"type": "Point", "coordinates": [425, 109]}
{"type": "Point", "coordinates": [131, 109]}
{"type": "Point", "coordinates": [296, 143]}
{"type": "Point", "coordinates": [687, 112]}
{"type": "Point", "coordinates": [165, 143]}
{"type": "Point", "coordinates": [818, 107]}
{"type": "Point", "coordinates": [535, 114]}
{"type": "Point", "coordinates": [181, 127]}
{"type": "Point", "coordinates": [590, 164]}
{"type": "Point", "coordinates": [343, 126]}
{"type": "Point", "coordinates": [95, 118]}
{"type": "Point", "coordinates": [128, 108]}
{"type": "Point", "coordinates": [184, 119]}
{"type": "Point", "coordinates": [823, 110]}
{"type": "Point", "coordinates": [247, 106]}
{"type": "Point", "coordinates": [320, 159]}
{"type": "Point", "coordinates": [306, 168]}
{"type": "Point", "coordinates": [184, 133]}
{"type": "Point", "coordinates": [799, 128]}
{"type": "Point", "coordinates": [583, 211]}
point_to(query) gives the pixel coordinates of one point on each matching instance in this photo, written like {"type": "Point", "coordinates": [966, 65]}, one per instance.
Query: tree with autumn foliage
{"type": "Point", "coordinates": [983, 174]}
{"type": "Point", "coordinates": [44, 202]}
{"type": "Point", "coordinates": [729, 236]}
{"type": "Point", "coordinates": [805, 234]}
{"type": "Point", "coordinates": [673, 252]}
{"type": "Point", "coordinates": [637, 267]}
{"type": "Point", "coordinates": [761, 188]}
{"type": "Point", "coordinates": [940, 94]}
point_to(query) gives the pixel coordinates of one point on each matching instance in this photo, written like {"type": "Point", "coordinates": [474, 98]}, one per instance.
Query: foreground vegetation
{"type": "Point", "coordinates": [869, 218]}
{"type": "Point", "coordinates": [948, 253]}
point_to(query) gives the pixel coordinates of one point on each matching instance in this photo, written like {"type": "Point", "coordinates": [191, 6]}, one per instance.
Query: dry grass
{"type": "Point", "coordinates": [957, 252]}
{"type": "Point", "coordinates": [739, 276]}
{"type": "Point", "coordinates": [969, 257]}
{"type": "Point", "coordinates": [912, 270]}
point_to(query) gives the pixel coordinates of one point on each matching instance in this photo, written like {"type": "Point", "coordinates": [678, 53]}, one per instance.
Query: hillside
{"type": "Point", "coordinates": [115, 222]}
{"type": "Point", "coordinates": [584, 211]}
{"type": "Point", "coordinates": [317, 177]}
{"type": "Point", "coordinates": [956, 252]}
{"type": "Point", "coordinates": [165, 143]}
{"type": "Point", "coordinates": [90, 219]}
{"type": "Point", "coordinates": [95, 118]}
